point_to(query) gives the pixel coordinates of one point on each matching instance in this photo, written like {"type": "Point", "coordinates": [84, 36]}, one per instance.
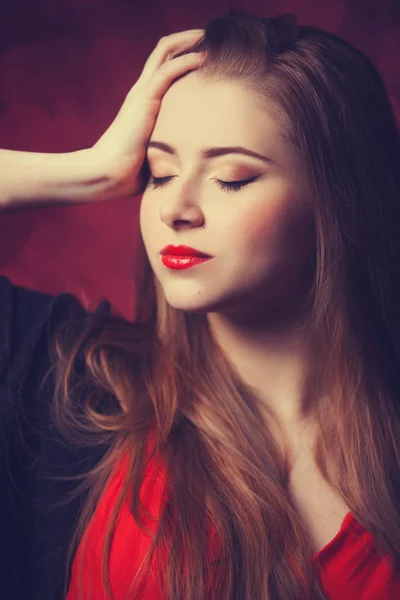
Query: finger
{"type": "Point", "coordinates": [168, 71]}
{"type": "Point", "coordinates": [152, 94]}
{"type": "Point", "coordinates": [167, 46]}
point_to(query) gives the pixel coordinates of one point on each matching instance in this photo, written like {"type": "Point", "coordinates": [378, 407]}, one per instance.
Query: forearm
{"type": "Point", "coordinates": [33, 179]}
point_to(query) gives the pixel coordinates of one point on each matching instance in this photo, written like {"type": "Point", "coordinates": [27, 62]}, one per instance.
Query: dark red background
{"type": "Point", "coordinates": [65, 67]}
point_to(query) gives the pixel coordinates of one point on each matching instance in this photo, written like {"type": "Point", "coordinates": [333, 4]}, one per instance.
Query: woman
{"type": "Point", "coordinates": [241, 440]}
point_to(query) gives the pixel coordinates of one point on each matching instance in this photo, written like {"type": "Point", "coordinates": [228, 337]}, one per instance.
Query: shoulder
{"type": "Point", "coordinates": [25, 317]}
{"type": "Point", "coordinates": [34, 460]}
{"type": "Point", "coordinates": [28, 322]}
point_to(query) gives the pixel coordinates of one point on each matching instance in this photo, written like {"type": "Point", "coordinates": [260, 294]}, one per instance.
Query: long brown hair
{"type": "Point", "coordinates": [223, 464]}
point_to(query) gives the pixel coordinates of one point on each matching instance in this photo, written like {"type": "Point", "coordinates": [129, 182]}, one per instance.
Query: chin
{"type": "Point", "coordinates": [198, 301]}
{"type": "Point", "coordinates": [187, 305]}
{"type": "Point", "coordinates": [188, 297]}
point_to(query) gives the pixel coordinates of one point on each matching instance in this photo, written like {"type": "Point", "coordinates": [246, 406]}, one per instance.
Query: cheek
{"type": "Point", "coordinates": [279, 228]}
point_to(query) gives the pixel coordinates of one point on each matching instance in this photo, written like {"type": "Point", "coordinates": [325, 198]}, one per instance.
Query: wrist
{"type": "Point", "coordinates": [79, 177]}
{"type": "Point", "coordinates": [116, 169]}
{"type": "Point", "coordinates": [94, 174]}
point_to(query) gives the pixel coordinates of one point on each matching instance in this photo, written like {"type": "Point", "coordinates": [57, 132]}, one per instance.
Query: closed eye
{"type": "Point", "coordinates": [229, 186]}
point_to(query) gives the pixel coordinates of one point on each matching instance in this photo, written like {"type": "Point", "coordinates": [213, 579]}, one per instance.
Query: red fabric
{"type": "Point", "coordinates": [129, 544]}
{"type": "Point", "coordinates": [349, 566]}
{"type": "Point", "coordinates": [352, 569]}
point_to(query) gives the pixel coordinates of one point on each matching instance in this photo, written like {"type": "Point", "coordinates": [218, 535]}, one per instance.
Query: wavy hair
{"type": "Point", "coordinates": [223, 465]}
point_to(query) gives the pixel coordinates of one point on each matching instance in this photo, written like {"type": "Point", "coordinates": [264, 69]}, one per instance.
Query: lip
{"type": "Point", "coordinates": [183, 251]}
{"type": "Point", "coordinates": [183, 262]}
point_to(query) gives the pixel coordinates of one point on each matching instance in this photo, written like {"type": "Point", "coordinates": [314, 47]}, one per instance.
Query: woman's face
{"type": "Point", "coordinates": [261, 236]}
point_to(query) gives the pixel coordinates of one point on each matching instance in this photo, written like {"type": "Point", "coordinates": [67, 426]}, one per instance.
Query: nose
{"type": "Point", "coordinates": [181, 217]}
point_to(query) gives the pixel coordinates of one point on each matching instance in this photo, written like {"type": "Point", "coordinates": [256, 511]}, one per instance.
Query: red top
{"type": "Point", "coordinates": [350, 567]}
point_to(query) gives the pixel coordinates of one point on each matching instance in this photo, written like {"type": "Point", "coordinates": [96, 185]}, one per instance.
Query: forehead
{"type": "Point", "coordinates": [196, 111]}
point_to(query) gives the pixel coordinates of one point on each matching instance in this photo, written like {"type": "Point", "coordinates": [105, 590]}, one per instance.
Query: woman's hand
{"type": "Point", "coordinates": [113, 167]}
{"type": "Point", "coordinates": [123, 145]}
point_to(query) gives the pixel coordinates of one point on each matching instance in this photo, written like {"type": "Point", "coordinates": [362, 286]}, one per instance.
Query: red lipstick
{"type": "Point", "coordinates": [182, 257]}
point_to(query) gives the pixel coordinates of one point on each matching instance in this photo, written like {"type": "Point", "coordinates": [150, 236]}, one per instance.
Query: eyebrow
{"type": "Point", "coordinates": [212, 152]}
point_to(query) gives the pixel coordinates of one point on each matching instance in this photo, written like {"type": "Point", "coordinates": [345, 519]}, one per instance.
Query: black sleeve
{"type": "Point", "coordinates": [27, 321]}
{"type": "Point", "coordinates": [35, 528]}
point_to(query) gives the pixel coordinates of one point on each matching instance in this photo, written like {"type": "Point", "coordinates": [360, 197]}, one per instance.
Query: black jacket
{"type": "Point", "coordinates": [35, 529]}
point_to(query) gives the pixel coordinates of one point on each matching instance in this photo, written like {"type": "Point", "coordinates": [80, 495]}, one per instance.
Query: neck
{"type": "Point", "coordinates": [272, 355]}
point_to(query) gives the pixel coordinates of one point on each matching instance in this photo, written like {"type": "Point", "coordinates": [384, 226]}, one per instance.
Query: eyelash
{"type": "Point", "coordinates": [228, 186]}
